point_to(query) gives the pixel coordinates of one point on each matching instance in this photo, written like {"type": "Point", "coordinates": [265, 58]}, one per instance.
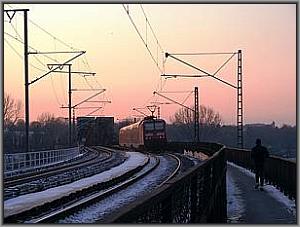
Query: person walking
{"type": "Point", "coordinates": [259, 154]}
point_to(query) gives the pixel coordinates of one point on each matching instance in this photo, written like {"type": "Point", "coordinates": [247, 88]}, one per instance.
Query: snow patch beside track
{"type": "Point", "coordinates": [29, 201]}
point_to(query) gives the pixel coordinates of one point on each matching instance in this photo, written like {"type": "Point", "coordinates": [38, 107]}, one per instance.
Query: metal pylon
{"type": "Point", "coordinates": [240, 137]}
{"type": "Point", "coordinates": [196, 115]}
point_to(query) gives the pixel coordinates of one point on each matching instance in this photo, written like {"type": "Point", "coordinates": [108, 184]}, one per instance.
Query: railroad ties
{"type": "Point", "coordinates": [56, 194]}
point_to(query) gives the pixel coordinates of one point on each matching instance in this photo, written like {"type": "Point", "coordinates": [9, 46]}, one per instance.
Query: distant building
{"type": "Point", "coordinates": [260, 125]}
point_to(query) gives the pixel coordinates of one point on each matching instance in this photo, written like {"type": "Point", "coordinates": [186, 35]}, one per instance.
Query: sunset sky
{"type": "Point", "coordinates": [266, 34]}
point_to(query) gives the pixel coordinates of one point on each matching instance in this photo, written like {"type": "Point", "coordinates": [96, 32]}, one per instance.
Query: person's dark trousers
{"type": "Point", "coordinates": [259, 174]}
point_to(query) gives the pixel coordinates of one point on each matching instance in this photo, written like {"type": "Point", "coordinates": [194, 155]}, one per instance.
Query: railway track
{"type": "Point", "coordinates": [44, 172]}
{"type": "Point", "coordinates": [78, 200]}
{"type": "Point", "coordinates": [102, 211]}
{"type": "Point", "coordinates": [174, 172]}
{"type": "Point", "coordinates": [80, 204]}
{"type": "Point", "coordinates": [60, 176]}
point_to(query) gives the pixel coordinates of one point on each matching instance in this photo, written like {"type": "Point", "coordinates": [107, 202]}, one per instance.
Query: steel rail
{"type": "Point", "coordinates": [174, 172]}
{"type": "Point", "coordinates": [86, 201]}
{"type": "Point", "coordinates": [57, 170]}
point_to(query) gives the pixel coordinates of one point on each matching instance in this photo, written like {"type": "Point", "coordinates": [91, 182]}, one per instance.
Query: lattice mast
{"type": "Point", "coordinates": [240, 134]}
{"type": "Point", "coordinates": [196, 115]}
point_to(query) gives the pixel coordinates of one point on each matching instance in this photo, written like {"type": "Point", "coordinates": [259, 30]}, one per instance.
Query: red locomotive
{"type": "Point", "coordinates": [148, 134]}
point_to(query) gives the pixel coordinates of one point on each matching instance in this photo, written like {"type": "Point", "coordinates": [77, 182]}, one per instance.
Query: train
{"type": "Point", "coordinates": [146, 134]}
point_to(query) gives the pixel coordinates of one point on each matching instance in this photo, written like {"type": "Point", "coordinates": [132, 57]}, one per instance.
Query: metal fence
{"type": "Point", "coordinates": [197, 196]}
{"type": "Point", "coordinates": [19, 163]}
{"type": "Point", "coordinates": [279, 172]}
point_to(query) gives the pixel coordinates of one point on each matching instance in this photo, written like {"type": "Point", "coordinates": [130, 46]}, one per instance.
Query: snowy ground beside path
{"type": "Point", "coordinates": [271, 190]}
{"type": "Point", "coordinates": [28, 201]}
{"type": "Point", "coordinates": [235, 204]}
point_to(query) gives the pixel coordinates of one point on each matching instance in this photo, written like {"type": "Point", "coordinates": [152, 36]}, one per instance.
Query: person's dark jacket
{"type": "Point", "coordinates": [259, 154]}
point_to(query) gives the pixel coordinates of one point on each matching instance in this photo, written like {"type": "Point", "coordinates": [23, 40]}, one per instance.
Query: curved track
{"type": "Point", "coordinates": [82, 203]}
{"type": "Point", "coordinates": [24, 178]}
{"type": "Point", "coordinates": [79, 200]}
{"type": "Point", "coordinates": [175, 171]}
{"type": "Point", "coordinates": [104, 160]}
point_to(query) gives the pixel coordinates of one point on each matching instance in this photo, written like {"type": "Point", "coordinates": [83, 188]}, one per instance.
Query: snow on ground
{"type": "Point", "coordinates": [273, 191]}
{"type": "Point", "coordinates": [100, 210]}
{"type": "Point", "coordinates": [235, 204]}
{"type": "Point", "coordinates": [28, 201]}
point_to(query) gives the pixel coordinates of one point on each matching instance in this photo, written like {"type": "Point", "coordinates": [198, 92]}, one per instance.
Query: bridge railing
{"type": "Point", "coordinates": [197, 196]}
{"type": "Point", "coordinates": [279, 172]}
{"type": "Point", "coordinates": [19, 163]}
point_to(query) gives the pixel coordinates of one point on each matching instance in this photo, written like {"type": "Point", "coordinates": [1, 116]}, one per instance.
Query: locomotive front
{"type": "Point", "coordinates": [148, 134]}
{"type": "Point", "coordinates": [154, 134]}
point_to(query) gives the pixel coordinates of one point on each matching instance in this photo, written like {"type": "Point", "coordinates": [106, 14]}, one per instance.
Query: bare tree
{"type": "Point", "coordinates": [209, 120]}
{"type": "Point", "coordinates": [11, 110]}
{"type": "Point", "coordinates": [45, 118]}
{"type": "Point", "coordinates": [54, 130]}
{"type": "Point", "coordinates": [207, 116]}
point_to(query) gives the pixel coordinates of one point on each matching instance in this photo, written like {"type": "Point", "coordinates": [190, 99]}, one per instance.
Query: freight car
{"type": "Point", "coordinates": [94, 131]}
{"type": "Point", "coordinates": [148, 134]}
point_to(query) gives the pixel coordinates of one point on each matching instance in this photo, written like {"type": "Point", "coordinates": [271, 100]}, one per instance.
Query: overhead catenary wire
{"type": "Point", "coordinates": [143, 40]}
{"type": "Point", "coordinates": [55, 38]}
{"type": "Point", "coordinates": [34, 49]}
{"type": "Point", "coordinates": [21, 57]}
{"type": "Point", "coordinates": [161, 83]}
{"type": "Point", "coordinates": [187, 97]}
{"type": "Point", "coordinates": [204, 53]}
{"type": "Point", "coordinates": [54, 91]}
{"type": "Point", "coordinates": [36, 58]}
{"type": "Point", "coordinates": [147, 20]}
{"type": "Point", "coordinates": [19, 39]}
{"type": "Point", "coordinates": [224, 64]}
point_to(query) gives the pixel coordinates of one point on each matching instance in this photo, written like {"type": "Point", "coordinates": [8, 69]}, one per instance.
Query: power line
{"type": "Point", "coordinates": [54, 91]}
{"type": "Point", "coordinates": [21, 57]}
{"type": "Point", "coordinates": [187, 97]}
{"type": "Point", "coordinates": [208, 53]}
{"type": "Point", "coordinates": [16, 31]}
{"type": "Point", "coordinates": [161, 83]}
{"type": "Point", "coordinates": [34, 49]}
{"type": "Point", "coordinates": [141, 37]}
{"type": "Point", "coordinates": [147, 20]}
{"type": "Point", "coordinates": [59, 40]}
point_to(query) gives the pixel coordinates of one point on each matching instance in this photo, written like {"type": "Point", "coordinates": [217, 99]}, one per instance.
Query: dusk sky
{"type": "Point", "coordinates": [266, 34]}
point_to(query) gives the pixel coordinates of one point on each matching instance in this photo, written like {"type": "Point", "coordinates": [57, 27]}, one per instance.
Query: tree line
{"type": "Point", "coordinates": [50, 132]}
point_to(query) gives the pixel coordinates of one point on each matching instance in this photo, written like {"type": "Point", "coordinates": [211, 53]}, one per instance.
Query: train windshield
{"type": "Point", "coordinates": [159, 125]}
{"type": "Point", "coordinates": [149, 126]}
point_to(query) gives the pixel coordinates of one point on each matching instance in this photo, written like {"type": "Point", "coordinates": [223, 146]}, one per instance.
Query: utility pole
{"type": "Point", "coordinates": [73, 125]}
{"type": "Point", "coordinates": [26, 69]}
{"type": "Point", "coordinates": [26, 80]}
{"type": "Point", "coordinates": [240, 134]}
{"type": "Point", "coordinates": [158, 112]}
{"type": "Point", "coordinates": [70, 96]}
{"type": "Point", "coordinates": [70, 104]}
{"type": "Point", "coordinates": [238, 87]}
{"type": "Point", "coordinates": [196, 115]}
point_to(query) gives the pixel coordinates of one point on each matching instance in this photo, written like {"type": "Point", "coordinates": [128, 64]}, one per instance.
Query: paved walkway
{"type": "Point", "coordinates": [251, 206]}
